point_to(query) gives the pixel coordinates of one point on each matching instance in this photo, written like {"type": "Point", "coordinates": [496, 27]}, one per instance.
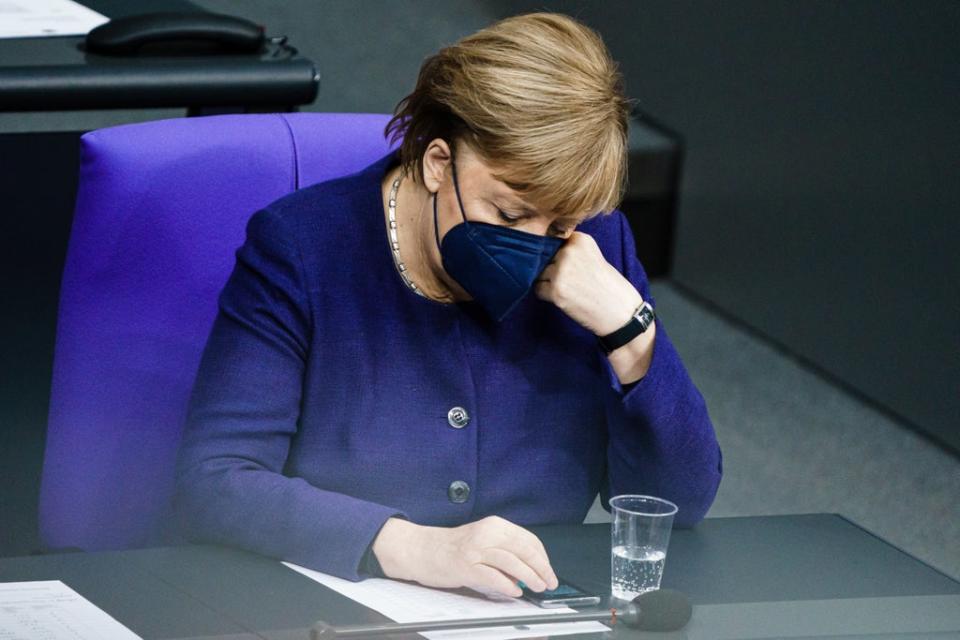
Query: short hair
{"type": "Point", "coordinates": [539, 98]}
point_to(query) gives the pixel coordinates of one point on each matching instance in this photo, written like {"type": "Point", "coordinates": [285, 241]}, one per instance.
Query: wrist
{"type": "Point", "coordinates": [641, 320]}
{"type": "Point", "coordinates": [619, 313]}
{"type": "Point", "coordinates": [632, 361]}
{"type": "Point", "coordinates": [396, 545]}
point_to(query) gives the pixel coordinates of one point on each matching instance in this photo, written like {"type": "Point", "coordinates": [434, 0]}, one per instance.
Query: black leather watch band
{"type": "Point", "coordinates": [639, 322]}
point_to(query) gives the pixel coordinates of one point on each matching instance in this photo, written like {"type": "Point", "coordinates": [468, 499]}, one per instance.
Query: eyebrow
{"type": "Point", "coordinates": [514, 203]}
{"type": "Point", "coordinates": [527, 212]}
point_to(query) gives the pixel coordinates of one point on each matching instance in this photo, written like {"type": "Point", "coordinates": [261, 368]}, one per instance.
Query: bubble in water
{"type": "Point", "coordinates": [635, 570]}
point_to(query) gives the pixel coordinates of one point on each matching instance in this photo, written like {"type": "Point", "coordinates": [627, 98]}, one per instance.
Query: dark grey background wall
{"type": "Point", "coordinates": [821, 194]}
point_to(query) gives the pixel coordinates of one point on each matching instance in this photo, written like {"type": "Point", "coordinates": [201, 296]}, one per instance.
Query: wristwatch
{"type": "Point", "coordinates": [639, 322]}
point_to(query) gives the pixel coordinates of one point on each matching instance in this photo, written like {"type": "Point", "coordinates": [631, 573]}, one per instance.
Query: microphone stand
{"type": "Point", "coordinates": [661, 610]}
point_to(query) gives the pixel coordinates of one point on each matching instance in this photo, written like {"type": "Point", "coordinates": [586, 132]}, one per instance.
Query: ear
{"type": "Point", "coordinates": [436, 161]}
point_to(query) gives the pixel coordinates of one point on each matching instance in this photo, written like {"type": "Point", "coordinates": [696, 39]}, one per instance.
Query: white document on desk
{"type": "Point", "coordinates": [405, 602]}
{"type": "Point", "coordinates": [51, 610]}
{"type": "Point", "coordinates": [37, 18]}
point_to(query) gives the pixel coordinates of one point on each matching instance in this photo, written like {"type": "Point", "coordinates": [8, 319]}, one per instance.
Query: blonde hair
{"type": "Point", "coordinates": [538, 97]}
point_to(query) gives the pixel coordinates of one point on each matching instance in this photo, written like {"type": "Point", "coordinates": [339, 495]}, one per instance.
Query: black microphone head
{"type": "Point", "coordinates": [658, 610]}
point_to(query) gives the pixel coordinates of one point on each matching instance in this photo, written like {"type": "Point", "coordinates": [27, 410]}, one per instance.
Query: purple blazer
{"type": "Point", "coordinates": [330, 397]}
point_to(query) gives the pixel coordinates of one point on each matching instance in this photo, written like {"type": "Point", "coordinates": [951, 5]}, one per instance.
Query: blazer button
{"type": "Point", "coordinates": [458, 491]}
{"type": "Point", "coordinates": [458, 417]}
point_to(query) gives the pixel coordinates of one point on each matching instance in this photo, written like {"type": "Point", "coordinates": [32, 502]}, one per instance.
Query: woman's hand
{"type": "Point", "coordinates": [586, 287]}
{"type": "Point", "coordinates": [590, 290]}
{"type": "Point", "coordinates": [489, 555]}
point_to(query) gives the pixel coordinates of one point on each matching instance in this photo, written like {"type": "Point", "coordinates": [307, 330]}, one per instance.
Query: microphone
{"type": "Point", "coordinates": [659, 610]}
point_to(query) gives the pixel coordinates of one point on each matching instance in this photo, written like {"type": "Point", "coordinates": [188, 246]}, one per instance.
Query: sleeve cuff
{"type": "Point", "coordinates": [663, 388]}
{"type": "Point", "coordinates": [369, 565]}
{"type": "Point", "coordinates": [661, 364]}
{"type": "Point", "coordinates": [355, 530]}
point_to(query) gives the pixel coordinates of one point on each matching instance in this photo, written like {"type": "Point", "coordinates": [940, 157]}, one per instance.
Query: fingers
{"type": "Point", "coordinates": [527, 547]}
{"type": "Point", "coordinates": [492, 554]}
{"type": "Point", "coordinates": [544, 282]}
{"type": "Point", "coordinates": [548, 272]}
{"type": "Point", "coordinates": [542, 291]}
{"type": "Point", "coordinates": [487, 577]}
{"type": "Point", "coordinates": [514, 567]}
{"type": "Point", "coordinates": [535, 555]}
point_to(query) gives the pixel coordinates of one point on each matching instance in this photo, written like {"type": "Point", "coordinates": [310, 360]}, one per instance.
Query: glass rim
{"type": "Point", "coordinates": [673, 511]}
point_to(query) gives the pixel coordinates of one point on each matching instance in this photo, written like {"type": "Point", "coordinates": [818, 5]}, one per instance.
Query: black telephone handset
{"type": "Point", "coordinates": [173, 33]}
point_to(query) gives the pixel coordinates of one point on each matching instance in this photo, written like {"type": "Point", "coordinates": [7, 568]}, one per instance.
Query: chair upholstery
{"type": "Point", "coordinates": [161, 209]}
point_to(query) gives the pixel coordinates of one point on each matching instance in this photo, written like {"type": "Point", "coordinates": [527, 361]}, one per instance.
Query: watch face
{"type": "Point", "coordinates": [645, 316]}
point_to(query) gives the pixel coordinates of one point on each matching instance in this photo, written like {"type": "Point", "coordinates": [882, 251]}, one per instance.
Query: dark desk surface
{"type": "Point", "coordinates": [820, 568]}
{"type": "Point", "coordinates": [55, 73]}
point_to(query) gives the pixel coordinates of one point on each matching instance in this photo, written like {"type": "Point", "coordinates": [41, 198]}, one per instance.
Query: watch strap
{"type": "Point", "coordinates": [639, 322]}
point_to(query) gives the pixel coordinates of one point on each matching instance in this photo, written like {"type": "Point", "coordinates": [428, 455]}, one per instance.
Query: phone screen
{"type": "Point", "coordinates": [564, 593]}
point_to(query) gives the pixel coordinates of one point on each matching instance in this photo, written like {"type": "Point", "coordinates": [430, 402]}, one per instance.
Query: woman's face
{"type": "Point", "coordinates": [485, 198]}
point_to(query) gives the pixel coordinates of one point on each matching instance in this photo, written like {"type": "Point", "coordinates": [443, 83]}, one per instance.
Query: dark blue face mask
{"type": "Point", "coordinates": [496, 265]}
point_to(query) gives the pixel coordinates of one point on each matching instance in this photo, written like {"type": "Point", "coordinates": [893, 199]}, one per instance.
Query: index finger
{"type": "Point", "coordinates": [547, 273]}
{"type": "Point", "coordinates": [527, 546]}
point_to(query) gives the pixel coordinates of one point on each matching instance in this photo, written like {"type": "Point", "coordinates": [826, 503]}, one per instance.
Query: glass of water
{"type": "Point", "coordinates": [639, 535]}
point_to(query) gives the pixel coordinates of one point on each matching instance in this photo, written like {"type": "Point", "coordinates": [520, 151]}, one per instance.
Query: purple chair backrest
{"type": "Point", "coordinates": [161, 209]}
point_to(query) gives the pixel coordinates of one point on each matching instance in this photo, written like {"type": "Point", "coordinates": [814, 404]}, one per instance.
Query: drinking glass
{"type": "Point", "coordinates": [639, 535]}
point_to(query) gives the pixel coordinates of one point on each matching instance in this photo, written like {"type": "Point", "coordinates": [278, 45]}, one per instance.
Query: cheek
{"type": "Point", "coordinates": [482, 211]}
{"type": "Point", "coordinates": [448, 213]}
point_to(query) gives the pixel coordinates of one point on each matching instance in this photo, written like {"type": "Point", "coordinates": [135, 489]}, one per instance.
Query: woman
{"type": "Point", "coordinates": [379, 394]}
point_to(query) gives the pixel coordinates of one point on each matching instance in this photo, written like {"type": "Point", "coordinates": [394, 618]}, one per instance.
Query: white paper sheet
{"type": "Point", "coordinates": [405, 602]}
{"type": "Point", "coordinates": [50, 610]}
{"type": "Point", "coordinates": [38, 18]}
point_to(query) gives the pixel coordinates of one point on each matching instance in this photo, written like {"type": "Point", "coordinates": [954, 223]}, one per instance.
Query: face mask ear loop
{"type": "Point", "coordinates": [436, 228]}
{"type": "Point", "coordinates": [456, 187]}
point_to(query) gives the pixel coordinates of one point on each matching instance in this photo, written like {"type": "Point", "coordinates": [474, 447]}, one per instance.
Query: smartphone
{"type": "Point", "coordinates": [565, 595]}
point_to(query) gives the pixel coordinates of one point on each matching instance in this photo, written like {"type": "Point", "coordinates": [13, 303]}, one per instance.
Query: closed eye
{"type": "Point", "coordinates": [507, 217]}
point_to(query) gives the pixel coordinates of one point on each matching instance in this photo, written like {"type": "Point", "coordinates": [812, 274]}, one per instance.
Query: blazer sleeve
{"type": "Point", "coordinates": [660, 438]}
{"type": "Point", "coordinates": [243, 412]}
